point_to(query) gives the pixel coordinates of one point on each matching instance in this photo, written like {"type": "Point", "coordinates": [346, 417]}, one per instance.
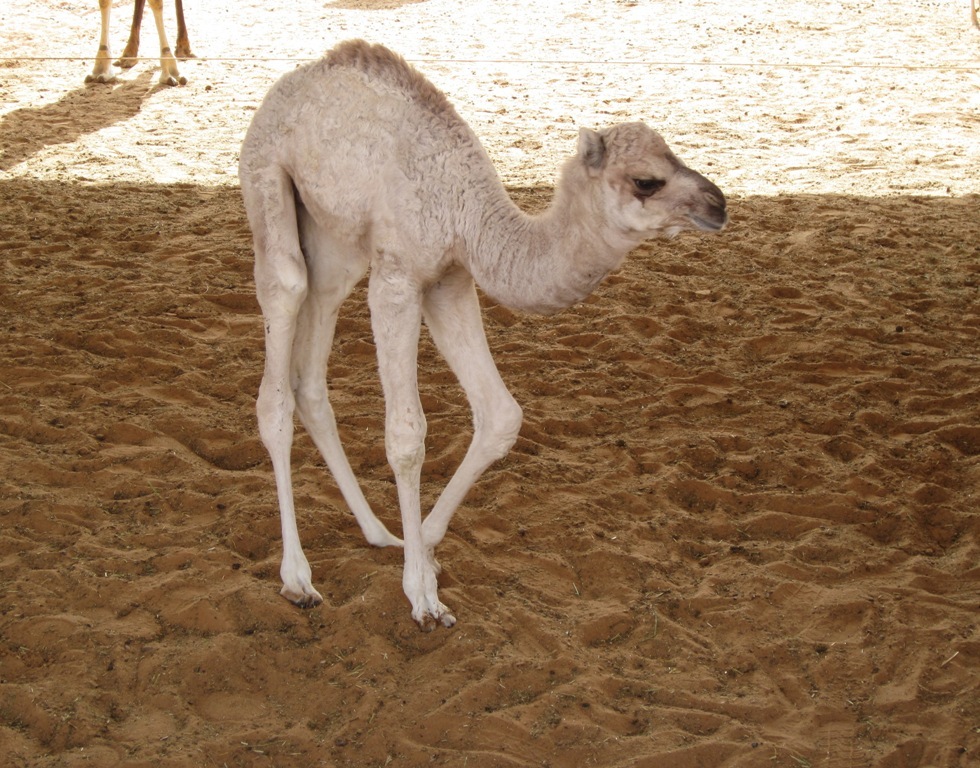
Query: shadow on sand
{"type": "Point", "coordinates": [90, 108]}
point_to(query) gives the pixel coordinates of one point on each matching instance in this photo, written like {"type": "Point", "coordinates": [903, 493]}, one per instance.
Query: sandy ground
{"type": "Point", "coordinates": [740, 526]}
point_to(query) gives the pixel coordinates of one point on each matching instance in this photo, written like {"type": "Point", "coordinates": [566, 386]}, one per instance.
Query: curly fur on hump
{"type": "Point", "coordinates": [381, 64]}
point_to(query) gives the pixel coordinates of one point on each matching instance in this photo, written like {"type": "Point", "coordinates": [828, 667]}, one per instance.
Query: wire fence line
{"type": "Point", "coordinates": [949, 67]}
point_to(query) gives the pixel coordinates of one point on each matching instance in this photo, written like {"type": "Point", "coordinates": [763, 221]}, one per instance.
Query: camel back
{"type": "Point", "coordinates": [378, 62]}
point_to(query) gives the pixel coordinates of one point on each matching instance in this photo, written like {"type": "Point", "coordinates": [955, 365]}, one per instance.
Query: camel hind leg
{"type": "Point", "coordinates": [130, 54]}
{"type": "Point", "coordinates": [334, 268]}
{"type": "Point", "coordinates": [183, 42]}
{"type": "Point", "coordinates": [281, 286]}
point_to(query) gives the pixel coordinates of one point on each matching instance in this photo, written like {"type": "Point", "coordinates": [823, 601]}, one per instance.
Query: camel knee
{"type": "Point", "coordinates": [312, 399]}
{"type": "Point", "coordinates": [405, 443]}
{"type": "Point", "coordinates": [281, 281]}
{"type": "Point", "coordinates": [500, 430]}
{"type": "Point", "coordinates": [282, 294]}
{"type": "Point", "coordinates": [314, 408]}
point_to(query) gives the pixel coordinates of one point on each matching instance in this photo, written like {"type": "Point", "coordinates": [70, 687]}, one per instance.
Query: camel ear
{"type": "Point", "coordinates": [591, 148]}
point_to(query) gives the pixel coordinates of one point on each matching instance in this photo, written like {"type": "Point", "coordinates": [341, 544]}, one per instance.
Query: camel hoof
{"type": "Point", "coordinates": [103, 79]}
{"type": "Point", "coordinates": [307, 598]}
{"type": "Point", "coordinates": [428, 622]}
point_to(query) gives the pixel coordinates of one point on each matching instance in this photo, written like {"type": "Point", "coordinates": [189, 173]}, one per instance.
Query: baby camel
{"type": "Point", "coordinates": [357, 161]}
{"type": "Point", "coordinates": [102, 72]}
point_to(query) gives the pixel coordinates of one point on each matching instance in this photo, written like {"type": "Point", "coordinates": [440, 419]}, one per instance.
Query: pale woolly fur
{"type": "Point", "coordinates": [367, 164]}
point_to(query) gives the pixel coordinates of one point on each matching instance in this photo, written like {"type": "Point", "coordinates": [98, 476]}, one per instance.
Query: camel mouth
{"type": "Point", "coordinates": [709, 225]}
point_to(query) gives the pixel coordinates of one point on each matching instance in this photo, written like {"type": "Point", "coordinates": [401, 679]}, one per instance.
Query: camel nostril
{"type": "Point", "coordinates": [716, 200]}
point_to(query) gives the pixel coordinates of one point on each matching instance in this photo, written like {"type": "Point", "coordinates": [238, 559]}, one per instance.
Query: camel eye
{"type": "Point", "coordinates": [648, 187]}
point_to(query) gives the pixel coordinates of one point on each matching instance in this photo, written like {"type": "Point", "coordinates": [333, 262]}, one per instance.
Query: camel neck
{"type": "Point", "coordinates": [541, 263]}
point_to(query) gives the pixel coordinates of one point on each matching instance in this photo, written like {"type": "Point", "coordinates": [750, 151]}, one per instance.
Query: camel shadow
{"type": "Point", "coordinates": [25, 132]}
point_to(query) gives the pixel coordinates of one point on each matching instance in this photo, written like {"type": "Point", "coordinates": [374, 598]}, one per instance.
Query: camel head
{"type": "Point", "coordinates": [644, 190]}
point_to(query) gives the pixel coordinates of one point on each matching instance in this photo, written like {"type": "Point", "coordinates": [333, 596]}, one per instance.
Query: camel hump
{"type": "Point", "coordinates": [377, 61]}
{"type": "Point", "coordinates": [368, 57]}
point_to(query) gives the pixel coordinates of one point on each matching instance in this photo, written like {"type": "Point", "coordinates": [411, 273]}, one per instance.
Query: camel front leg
{"type": "Point", "coordinates": [103, 72]}
{"type": "Point", "coordinates": [169, 75]}
{"type": "Point", "coordinates": [452, 312]}
{"type": "Point", "coordinates": [396, 317]}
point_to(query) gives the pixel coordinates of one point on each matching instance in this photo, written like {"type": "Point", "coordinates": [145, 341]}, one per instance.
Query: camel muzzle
{"type": "Point", "coordinates": [710, 225]}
